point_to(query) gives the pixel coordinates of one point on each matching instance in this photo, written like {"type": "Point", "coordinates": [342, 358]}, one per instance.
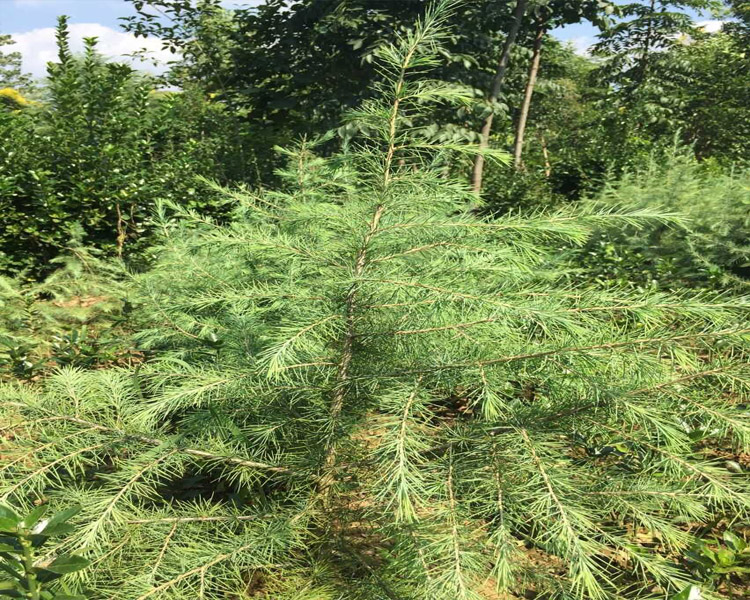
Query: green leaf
{"type": "Point", "coordinates": [725, 557]}
{"type": "Point", "coordinates": [68, 563]}
{"type": "Point", "coordinates": [37, 540]}
{"type": "Point", "coordinates": [11, 588]}
{"type": "Point", "coordinates": [61, 529]}
{"type": "Point", "coordinates": [731, 569]}
{"type": "Point", "coordinates": [8, 526]}
{"type": "Point", "coordinates": [57, 522]}
{"type": "Point", "coordinates": [691, 592]}
{"type": "Point", "coordinates": [8, 519]}
{"type": "Point", "coordinates": [7, 584]}
{"type": "Point", "coordinates": [13, 568]}
{"type": "Point", "coordinates": [45, 576]}
{"type": "Point", "coordinates": [33, 517]}
{"type": "Point", "coordinates": [8, 513]}
{"type": "Point", "coordinates": [734, 541]}
{"type": "Point", "coordinates": [699, 558]}
{"type": "Point", "coordinates": [706, 552]}
{"type": "Point", "coordinates": [9, 592]}
{"type": "Point", "coordinates": [7, 548]}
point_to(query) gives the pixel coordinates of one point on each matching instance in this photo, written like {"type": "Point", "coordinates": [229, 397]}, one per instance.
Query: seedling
{"type": "Point", "coordinates": [23, 573]}
{"type": "Point", "coordinates": [720, 559]}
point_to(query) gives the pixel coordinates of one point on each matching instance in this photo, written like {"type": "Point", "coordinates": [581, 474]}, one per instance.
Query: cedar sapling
{"type": "Point", "coordinates": [387, 397]}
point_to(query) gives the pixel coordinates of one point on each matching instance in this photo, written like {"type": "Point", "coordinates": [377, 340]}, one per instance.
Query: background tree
{"type": "Point", "coordinates": [549, 15]}
{"type": "Point", "coordinates": [630, 50]}
{"type": "Point", "coordinates": [704, 78]}
{"type": "Point", "coordinates": [545, 15]}
{"type": "Point", "coordinates": [739, 26]}
{"type": "Point", "coordinates": [567, 153]}
{"type": "Point", "coordinates": [92, 158]}
{"type": "Point", "coordinates": [523, 115]}
{"type": "Point", "coordinates": [322, 59]}
{"type": "Point", "coordinates": [494, 95]}
{"type": "Point", "coordinates": [11, 72]}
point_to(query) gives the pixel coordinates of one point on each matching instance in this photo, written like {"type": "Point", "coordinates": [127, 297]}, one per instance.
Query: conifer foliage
{"type": "Point", "coordinates": [362, 390]}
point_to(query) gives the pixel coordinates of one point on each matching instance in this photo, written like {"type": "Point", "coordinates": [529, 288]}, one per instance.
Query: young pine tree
{"type": "Point", "coordinates": [360, 390]}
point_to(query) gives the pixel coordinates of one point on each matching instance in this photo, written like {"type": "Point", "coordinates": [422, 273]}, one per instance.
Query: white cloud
{"type": "Point", "coordinates": [710, 26]}
{"type": "Point", "coordinates": [581, 44]}
{"type": "Point", "coordinates": [38, 46]}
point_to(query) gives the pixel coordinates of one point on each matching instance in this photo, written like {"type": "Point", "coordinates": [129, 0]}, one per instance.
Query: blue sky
{"type": "Point", "coordinates": [24, 15]}
{"type": "Point", "coordinates": [31, 22]}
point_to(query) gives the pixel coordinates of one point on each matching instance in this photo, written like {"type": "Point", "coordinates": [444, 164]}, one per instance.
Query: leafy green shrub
{"type": "Point", "coordinates": [21, 542]}
{"type": "Point", "coordinates": [97, 153]}
{"type": "Point", "coordinates": [721, 560]}
{"type": "Point", "coordinates": [79, 348]}
{"type": "Point", "coordinates": [712, 247]}
{"type": "Point", "coordinates": [364, 391]}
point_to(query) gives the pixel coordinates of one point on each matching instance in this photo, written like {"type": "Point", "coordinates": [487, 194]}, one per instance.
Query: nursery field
{"type": "Point", "coordinates": [366, 300]}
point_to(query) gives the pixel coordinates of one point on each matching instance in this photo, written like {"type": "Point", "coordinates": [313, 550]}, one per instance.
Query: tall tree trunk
{"type": "Point", "coordinates": [530, 83]}
{"type": "Point", "coordinates": [497, 85]}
